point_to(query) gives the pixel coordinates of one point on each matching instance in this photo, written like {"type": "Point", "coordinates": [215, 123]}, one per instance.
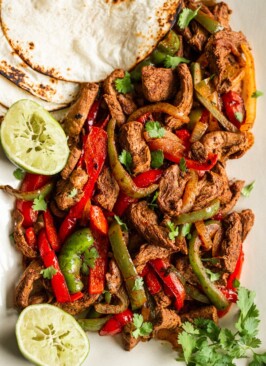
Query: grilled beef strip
{"type": "Point", "coordinates": [107, 189]}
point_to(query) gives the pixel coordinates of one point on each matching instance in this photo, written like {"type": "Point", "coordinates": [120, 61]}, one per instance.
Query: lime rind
{"type": "Point", "coordinates": [33, 140]}
{"type": "Point", "coordinates": [48, 336]}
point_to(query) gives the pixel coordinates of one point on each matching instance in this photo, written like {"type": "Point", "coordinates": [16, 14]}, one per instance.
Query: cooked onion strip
{"type": "Point", "coordinates": [190, 193]}
{"type": "Point", "coordinates": [198, 131]}
{"type": "Point", "coordinates": [204, 235]}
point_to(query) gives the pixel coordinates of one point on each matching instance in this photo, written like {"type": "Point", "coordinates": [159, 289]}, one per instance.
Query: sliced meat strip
{"type": "Point", "coordinates": [210, 188]}
{"type": "Point", "coordinates": [113, 278]}
{"type": "Point", "coordinates": [76, 307]}
{"type": "Point", "coordinates": [184, 97]}
{"type": "Point", "coordinates": [121, 303]}
{"type": "Point", "coordinates": [171, 189]}
{"type": "Point", "coordinates": [199, 36]}
{"type": "Point", "coordinates": [148, 252]}
{"type": "Point", "coordinates": [127, 103]}
{"type": "Point", "coordinates": [235, 188]}
{"type": "Point", "coordinates": [19, 238]}
{"type": "Point", "coordinates": [107, 189]}
{"type": "Point", "coordinates": [165, 319]}
{"type": "Point", "coordinates": [115, 108]}
{"type": "Point", "coordinates": [169, 335]}
{"type": "Point", "coordinates": [72, 161]}
{"type": "Point", "coordinates": [145, 221]}
{"type": "Point", "coordinates": [131, 139]}
{"type": "Point", "coordinates": [64, 191]}
{"type": "Point", "coordinates": [223, 52]}
{"type": "Point", "coordinates": [247, 218]}
{"type": "Point", "coordinates": [226, 194]}
{"type": "Point", "coordinates": [78, 112]}
{"type": "Point", "coordinates": [222, 12]}
{"type": "Point", "coordinates": [227, 145]}
{"type": "Point", "coordinates": [158, 84]}
{"type": "Point", "coordinates": [232, 242]}
{"type": "Point", "coordinates": [162, 300]}
{"type": "Point", "coordinates": [129, 342]}
{"type": "Point", "coordinates": [26, 283]}
{"type": "Point", "coordinates": [184, 268]}
{"type": "Point", "coordinates": [206, 312]}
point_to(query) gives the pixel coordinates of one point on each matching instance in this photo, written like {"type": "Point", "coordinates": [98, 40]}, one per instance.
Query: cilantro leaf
{"type": "Point", "coordinates": [73, 193]}
{"type": "Point", "coordinates": [124, 85]}
{"type": "Point", "coordinates": [90, 256]}
{"type": "Point", "coordinates": [188, 343]}
{"type": "Point", "coordinates": [258, 360]}
{"type": "Point", "coordinates": [213, 275]}
{"type": "Point", "coordinates": [183, 165]}
{"type": "Point", "coordinates": [257, 94]}
{"type": "Point", "coordinates": [125, 158]}
{"type": "Point", "coordinates": [171, 62]}
{"type": "Point", "coordinates": [121, 223]}
{"type": "Point", "coordinates": [142, 328]}
{"type": "Point", "coordinates": [186, 16]}
{"type": "Point", "coordinates": [239, 116]}
{"type": "Point", "coordinates": [19, 174]}
{"type": "Point", "coordinates": [154, 199]}
{"type": "Point", "coordinates": [39, 204]}
{"type": "Point", "coordinates": [174, 230]}
{"type": "Point", "coordinates": [157, 158]}
{"type": "Point", "coordinates": [154, 129]}
{"type": "Point", "coordinates": [247, 189]}
{"type": "Point", "coordinates": [138, 285]}
{"type": "Point", "coordinates": [189, 328]}
{"type": "Point", "coordinates": [48, 272]}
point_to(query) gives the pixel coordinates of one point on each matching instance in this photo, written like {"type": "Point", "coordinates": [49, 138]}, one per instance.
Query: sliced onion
{"type": "Point", "coordinates": [198, 131]}
{"type": "Point", "coordinates": [204, 235]}
{"type": "Point", "coordinates": [190, 192]}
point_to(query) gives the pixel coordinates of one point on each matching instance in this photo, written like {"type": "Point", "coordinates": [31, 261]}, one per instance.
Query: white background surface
{"type": "Point", "coordinates": [248, 16]}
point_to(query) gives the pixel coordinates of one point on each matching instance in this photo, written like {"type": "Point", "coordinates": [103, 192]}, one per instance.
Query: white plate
{"type": "Point", "coordinates": [249, 16]}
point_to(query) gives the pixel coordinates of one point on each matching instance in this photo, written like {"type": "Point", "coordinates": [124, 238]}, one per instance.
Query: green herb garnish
{"type": "Point", "coordinates": [154, 129]}
{"type": "Point", "coordinates": [48, 272]}
{"type": "Point", "coordinates": [143, 329]}
{"type": "Point", "coordinates": [124, 85]}
{"type": "Point", "coordinates": [39, 204]}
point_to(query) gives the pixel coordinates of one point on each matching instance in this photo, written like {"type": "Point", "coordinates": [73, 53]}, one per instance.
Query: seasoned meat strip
{"type": "Point", "coordinates": [113, 278]}
{"type": "Point", "coordinates": [222, 12]}
{"type": "Point", "coordinates": [247, 219]}
{"type": "Point", "coordinates": [73, 158]}
{"type": "Point", "coordinates": [107, 189]}
{"type": "Point", "coordinates": [64, 197]}
{"type": "Point", "coordinates": [131, 139]}
{"type": "Point", "coordinates": [146, 223]}
{"type": "Point", "coordinates": [171, 189]}
{"type": "Point", "coordinates": [148, 252]}
{"type": "Point", "coordinates": [158, 84]}
{"type": "Point", "coordinates": [129, 342]}
{"type": "Point", "coordinates": [235, 188]}
{"type": "Point", "coordinates": [78, 112]}
{"type": "Point", "coordinates": [77, 306]}
{"type": "Point", "coordinates": [210, 188]}
{"type": "Point", "coordinates": [223, 51]}
{"type": "Point", "coordinates": [165, 319]}
{"type": "Point", "coordinates": [206, 312]}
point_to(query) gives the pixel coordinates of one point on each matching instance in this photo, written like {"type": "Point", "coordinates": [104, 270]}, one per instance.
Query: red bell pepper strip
{"type": "Point", "coordinates": [95, 152]}
{"type": "Point", "coordinates": [170, 280]}
{"type": "Point", "coordinates": [76, 296]}
{"type": "Point", "coordinates": [97, 274]}
{"type": "Point", "coordinates": [142, 180]}
{"type": "Point", "coordinates": [30, 237]}
{"type": "Point", "coordinates": [31, 182]}
{"type": "Point", "coordinates": [234, 108]}
{"type": "Point", "coordinates": [145, 118]}
{"type": "Point", "coordinates": [98, 220]}
{"type": "Point", "coordinates": [116, 323]}
{"type": "Point", "coordinates": [184, 135]}
{"type": "Point", "coordinates": [92, 115]}
{"type": "Point", "coordinates": [50, 230]}
{"type": "Point", "coordinates": [193, 164]}
{"type": "Point", "coordinates": [49, 259]}
{"type": "Point", "coordinates": [103, 123]}
{"type": "Point", "coordinates": [151, 280]}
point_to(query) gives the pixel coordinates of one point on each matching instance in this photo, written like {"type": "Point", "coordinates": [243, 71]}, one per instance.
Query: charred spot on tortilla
{"type": "Point", "coordinates": [31, 44]}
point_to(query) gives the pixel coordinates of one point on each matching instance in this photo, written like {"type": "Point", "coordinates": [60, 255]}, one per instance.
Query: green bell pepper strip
{"type": "Point", "coordinates": [137, 296]}
{"type": "Point", "coordinates": [158, 57]}
{"type": "Point", "coordinates": [210, 24]}
{"type": "Point", "coordinates": [211, 291]}
{"type": "Point", "coordinates": [70, 258]}
{"type": "Point", "coordinates": [170, 44]}
{"type": "Point", "coordinates": [93, 325]}
{"type": "Point", "coordinates": [30, 195]}
{"type": "Point", "coordinates": [196, 74]}
{"type": "Point", "coordinates": [194, 216]}
{"type": "Point", "coordinates": [123, 179]}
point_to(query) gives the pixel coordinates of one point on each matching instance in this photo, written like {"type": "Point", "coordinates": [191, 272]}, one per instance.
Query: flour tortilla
{"type": "Point", "coordinates": [42, 86]}
{"type": "Point", "coordinates": [10, 93]}
{"type": "Point", "coordinates": [85, 40]}
{"type": "Point", "coordinates": [3, 110]}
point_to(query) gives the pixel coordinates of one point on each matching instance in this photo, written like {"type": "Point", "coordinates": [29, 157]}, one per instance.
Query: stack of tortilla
{"type": "Point", "coordinates": [47, 48]}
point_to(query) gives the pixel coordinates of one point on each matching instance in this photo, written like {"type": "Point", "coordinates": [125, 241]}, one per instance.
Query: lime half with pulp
{"type": "Point", "coordinates": [33, 140]}
{"type": "Point", "coordinates": [48, 336]}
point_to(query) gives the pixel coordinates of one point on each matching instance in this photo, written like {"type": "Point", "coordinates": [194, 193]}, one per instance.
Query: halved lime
{"type": "Point", "coordinates": [48, 336]}
{"type": "Point", "coordinates": [33, 140]}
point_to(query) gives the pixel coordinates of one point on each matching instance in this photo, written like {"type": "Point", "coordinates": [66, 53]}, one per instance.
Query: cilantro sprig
{"type": "Point", "coordinates": [39, 203]}
{"type": "Point", "coordinates": [205, 343]}
{"type": "Point", "coordinates": [172, 62]}
{"type": "Point", "coordinates": [124, 85]}
{"type": "Point", "coordinates": [73, 193]}
{"type": "Point", "coordinates": [138, 285]}
{"type": "Point", "coordinates": [19, 174]}
{"type": "Point", "coordinates": [257, 94]}
{"type": "Point", "coordinates": [173, 230]}
{"type": "Point", "coordinates": [48, 272]}
{"type": "Point", "coordinates": [247, 189]}
{"type": "Point", "coordinates": [121, 223]}
{"type": "Point", "coordinates": [214, 276]}
{"type": "Point", "coordinates": [186, 16]}
{"type": "Point", "coordinates": [125, 158]}
{"type": "Point", "coordinates": [89, 259]}
{"type": "Point", "coordinates": [143, 329]}
{"type": "Point", "coordinates": [239, 117]}
{"type": "Point", "coordinates": [154, 129]}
